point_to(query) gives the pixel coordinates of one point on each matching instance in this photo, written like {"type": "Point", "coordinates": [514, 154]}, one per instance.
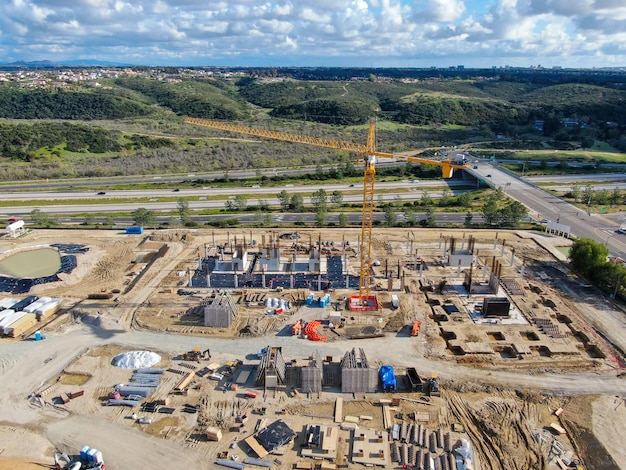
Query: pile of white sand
{"type": "Point", "coordinates": [136, 359]}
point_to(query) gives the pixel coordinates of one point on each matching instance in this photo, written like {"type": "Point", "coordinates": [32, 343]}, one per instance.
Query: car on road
{"type": "Point", "coordinates": [489, 175]}
{"type": "Point", "coordinates": [176, 190]}
{"type": "Point", "coordinates": [351, 186]}
{"type": "Point", "coordinates": [100, 193]}
{"type": "Point", "coordinates": [475, 167]}
{"type": "Point", "coordinates": [545, 221]}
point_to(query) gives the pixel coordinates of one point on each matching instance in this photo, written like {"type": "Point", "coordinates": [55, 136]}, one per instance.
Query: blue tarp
{"type": "Point", "coordinates": [388, 378]}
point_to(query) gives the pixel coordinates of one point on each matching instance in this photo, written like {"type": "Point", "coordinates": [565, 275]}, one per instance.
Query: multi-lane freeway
{"type": "Point", "coordinates": [542, 205]}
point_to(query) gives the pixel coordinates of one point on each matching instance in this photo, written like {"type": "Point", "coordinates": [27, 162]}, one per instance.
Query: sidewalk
{"type": "Point", "coordinates": [550, 243]}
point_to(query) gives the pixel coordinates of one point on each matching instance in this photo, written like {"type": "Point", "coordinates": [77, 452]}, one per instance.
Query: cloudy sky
{"type": "Point", "coordinates": [369, 33]}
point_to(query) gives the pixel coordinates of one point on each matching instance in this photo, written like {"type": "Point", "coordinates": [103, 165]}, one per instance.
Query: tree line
{"type": "Point", "coordinates": [590, 259]}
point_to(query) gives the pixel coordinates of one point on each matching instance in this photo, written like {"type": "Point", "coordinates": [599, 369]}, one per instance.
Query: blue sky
{"type": "Point", "coordinates": [368, 33]}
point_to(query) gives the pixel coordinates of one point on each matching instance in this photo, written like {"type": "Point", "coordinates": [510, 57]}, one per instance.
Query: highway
{"type": "Point", "coordinates": [544, 205]}
{"type": "Point", "coordinates": [225, 193]}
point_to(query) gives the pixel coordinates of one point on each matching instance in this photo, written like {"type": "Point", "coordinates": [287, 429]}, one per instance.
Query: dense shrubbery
{"type": "Point", "coordinates": [42, 104]}
{"type": "Point", "coordinates": [341, 111]}
{"type": "Point", "coordinates": [22, 140]}
{"type": "Point", "coordinates": [191, 98]}
{"type": "Point", "coordinates": [426, 109]}
{"type": "Point", "coordinates": [420, 114]}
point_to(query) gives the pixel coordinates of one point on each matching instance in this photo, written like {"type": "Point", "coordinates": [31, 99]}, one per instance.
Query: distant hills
{"type": "Point", "coordinates": [50, 64]}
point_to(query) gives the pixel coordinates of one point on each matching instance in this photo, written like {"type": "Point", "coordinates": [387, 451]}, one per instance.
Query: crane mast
{"type": "Point", "coordinates": [369, 175]}
{"type": "Point", "coordinates": [367, 215]}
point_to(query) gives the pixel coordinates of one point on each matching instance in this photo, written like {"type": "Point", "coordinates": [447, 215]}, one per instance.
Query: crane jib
{"type": "Point", "coordinates": [368, 150]}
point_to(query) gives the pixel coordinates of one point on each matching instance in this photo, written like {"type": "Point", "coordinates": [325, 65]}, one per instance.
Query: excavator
{"type": "Point", "coordinates": [370, 155]}
{"type": "Point", "coordinates": [196, 354]}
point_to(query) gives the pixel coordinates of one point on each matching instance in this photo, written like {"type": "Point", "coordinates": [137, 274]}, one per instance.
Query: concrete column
{"type": "Point", "coordinates": [463, 242]}
{"type": "Point", "coordinates": [421, 269]}
{"type": "Point", "coordinates": [190, 278]}
{"type": "Point", "coordinates": [319, 282]}
{"type": "Point", "coordinates": [484, 271]}
{"type": "Point", "coordinates": [263, 279]}
{"type": "Point", "coordinates": [347, 280]}
{"type": "Point", "coordinates": [236, 281]}
{"type": "Point", "coordinates": [208, 280]}
{"type": "Point", "coordinates": [458, 269]}
{"type": "Point", "coordinates": [502, 249]}
{"type": "Point", "coordinates": [512, 257]}
{"type": "Point", "coordinates": [291, 279]}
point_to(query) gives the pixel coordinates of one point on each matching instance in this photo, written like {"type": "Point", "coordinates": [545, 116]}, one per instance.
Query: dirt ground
{"type": "Point", "coordinates": [505, 406]}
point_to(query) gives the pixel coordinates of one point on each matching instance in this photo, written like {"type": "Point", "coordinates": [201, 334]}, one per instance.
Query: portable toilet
{"type": "Point", "coordinates": [38, 335]}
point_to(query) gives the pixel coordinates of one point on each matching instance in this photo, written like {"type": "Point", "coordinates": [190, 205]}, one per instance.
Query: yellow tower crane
{"type": "Point", "coordinates": [369, 153]}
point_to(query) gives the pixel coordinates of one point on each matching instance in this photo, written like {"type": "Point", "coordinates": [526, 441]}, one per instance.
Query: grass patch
{"type": "Point", "coordinates": [601, 146]}
{"type": "Point", "coordinates": [564, 249]}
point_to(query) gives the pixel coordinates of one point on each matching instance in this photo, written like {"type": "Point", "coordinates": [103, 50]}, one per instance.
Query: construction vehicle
{"type": "Point", "coordinates": [195, 355]}
{"type": "Point", "coordinates": [368, 151]}
{"type": "Point", "coordinates": [431, 387]}
{"type": "Point", "coordinates": [231, 367]}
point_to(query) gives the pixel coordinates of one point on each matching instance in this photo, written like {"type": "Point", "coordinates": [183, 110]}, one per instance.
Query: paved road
{"type": "Point", "coordinates": [544, 205]}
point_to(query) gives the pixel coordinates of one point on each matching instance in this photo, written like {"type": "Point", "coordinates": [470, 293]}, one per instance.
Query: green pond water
{"type": "Point", "coordinates": [38, 262]}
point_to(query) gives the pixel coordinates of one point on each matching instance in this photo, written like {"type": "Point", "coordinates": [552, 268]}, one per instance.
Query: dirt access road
{"type": "Point", "coordinates": [27, 365]}
{"type": "Point", "coordinates": [29, 429]}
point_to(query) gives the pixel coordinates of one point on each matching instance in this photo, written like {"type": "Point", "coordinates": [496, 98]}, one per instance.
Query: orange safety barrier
{"type": "Point", "coordinates": [310, 330]}
{"type": "Point", "coordinates": [416, 328]}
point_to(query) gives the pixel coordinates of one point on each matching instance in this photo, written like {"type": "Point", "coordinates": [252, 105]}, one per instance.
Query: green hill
{"type": "Point", "coordinates": [16, 103]}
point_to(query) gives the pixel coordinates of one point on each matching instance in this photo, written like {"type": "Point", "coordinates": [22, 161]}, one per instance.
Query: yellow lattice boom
{"type": "Point", "coordinates": [368, 151]}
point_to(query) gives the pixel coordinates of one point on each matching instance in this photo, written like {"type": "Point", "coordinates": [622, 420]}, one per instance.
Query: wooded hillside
{"type": "Point", "coordinates": [133, 125]}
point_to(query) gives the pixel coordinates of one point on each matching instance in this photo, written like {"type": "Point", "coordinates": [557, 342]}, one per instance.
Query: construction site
{"type": "Point", "coordinates": [466, 350]}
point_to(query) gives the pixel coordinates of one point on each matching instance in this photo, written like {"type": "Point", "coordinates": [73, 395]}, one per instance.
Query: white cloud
{"type": "Point", "coordinates": [308, 14]}
{"type": "Point", "coordinates": [372, 31]}
{"type": "Point", "coordinates": [444, 11]}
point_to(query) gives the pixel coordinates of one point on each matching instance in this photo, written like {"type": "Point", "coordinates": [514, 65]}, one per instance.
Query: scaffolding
{"type": "Point", "coordinates": [356, 374]}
